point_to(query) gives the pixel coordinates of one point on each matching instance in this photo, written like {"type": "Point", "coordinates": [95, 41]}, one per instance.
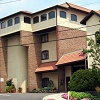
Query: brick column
{"type": "Point", "coordinates": [34, 57]}
{"type": "Point", "coordinates": [3, 63]}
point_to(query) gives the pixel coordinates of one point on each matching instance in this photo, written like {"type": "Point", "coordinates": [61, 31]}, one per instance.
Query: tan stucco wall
{"type": "Point", "coordinates": [67, 22]}
{"type": "Point", "coordinates": [17, 63]}
{"type": "Point", "coordinates": [44, 24]}
{"type": "Point", "coordinates": [52, 76]}
{"type": "Point", "coordinates": [91, 30]}
{"type": "Point", "coordinates": [51, 46]}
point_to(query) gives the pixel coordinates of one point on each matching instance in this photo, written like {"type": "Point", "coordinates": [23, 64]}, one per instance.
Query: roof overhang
{"type": "Point", "coordinates": [47, 67]}
{"type": "Point", "coordinates": [88, 16]}
{"type": "Point", "coordinates": [71, 57]}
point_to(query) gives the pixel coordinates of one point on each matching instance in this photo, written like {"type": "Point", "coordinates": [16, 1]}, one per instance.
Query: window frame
{"type": "Point", "coordinates": [3, 24]}
{"type": "Point", "coordinates": [75, 17]}
{"type": "Point", "coordinates": [37, 20]}
{"type": "Point", "coordinates": [44, 38]}
{"type": "Point", "coordinates": [51, 15]}
{"type": "Point", "coordinates": [43, 19]}
{"type": "Point", "coordinates": [10, 22]}
{"type": "Point", "coordinates": [27, 20]}
{"type": "Point", "coordinates": [62, 14]}
{"type": "Point", "coordinates": [45, 55]}
{"type": "Point", "coordinates": [17, 20]}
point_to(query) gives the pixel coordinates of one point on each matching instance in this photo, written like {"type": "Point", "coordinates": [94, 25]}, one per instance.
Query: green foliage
{"type": "Point", "coordinates": [94, 49]}
{"type": "Point", "coordinates": [7, 89]}
{"type": "Point", "coordinates": [9, 82]}
{"type": "Point", "coordinates": [84, 80]}
{"type": "Point", "coordinates": [80, 95]}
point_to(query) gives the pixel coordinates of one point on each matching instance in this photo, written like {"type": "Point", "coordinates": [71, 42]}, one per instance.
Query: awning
{"type": "Point", "coordinates": [46, 67]}
{"type": "Point", "coordinates": [71, 57]}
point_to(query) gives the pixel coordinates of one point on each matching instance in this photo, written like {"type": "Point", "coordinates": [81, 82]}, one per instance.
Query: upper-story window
{"type": "Point", "coordinates": [44, 38]}
{"type": "Point", "coordinates": [45, 54]}
{"type": "Point", "coordinates": [17, 20]}
{"type": "Point", "coordinates": [62, 14]}
{"type": "Point", "coordinates": [43, 17]}
{"type": "Point", "coordinates": [73, 17]}
{"type": "Point", "coordinates": [3, 25]}
{"type": "Point", "coordinates": [10, 22]}
{"type": "Point", "coordinates": [97, 37]}
{"type": "Point", "coordinates": [27, 20]}
{"type": "Point", "coordinates": [36, 19]}
{"type": "Point", "coordinates": [51, 14]}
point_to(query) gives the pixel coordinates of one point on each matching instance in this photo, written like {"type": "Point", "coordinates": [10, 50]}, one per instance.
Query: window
{"type": "Point", "coordinates": [27, 20]}
{"type": "Point", "coordinates": [97, 36]}
{"type": "Point", "coordinates": [52, 14]}
{"type": "Point", "coordinates": [45, 82]}
{"type": "Point", "coordinates": [3, 25]}
{"type": "Point", "coordinates": [45, 54]}
{"type": "Point", "coordinates": [36, 19]}
{"type": "Point", "coordinates": [73, 17]}
{"type": "Point", "coordinates": [43, 17]}
{"type": "Point", "coordinates": [62, 14]}
{"type": "Point", "coordinates": [17, 20]}
{"type": "Point", "coordinates": [44, 38]}
{"type": "Point", "coordinates": [9, 22]}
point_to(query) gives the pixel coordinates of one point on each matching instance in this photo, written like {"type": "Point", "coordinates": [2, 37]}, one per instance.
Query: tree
{"type": "Point", "coordinates": [94, 49]}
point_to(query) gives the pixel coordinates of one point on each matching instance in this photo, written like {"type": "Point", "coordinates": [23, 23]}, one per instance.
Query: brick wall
{"type": "Point", "coordinates": [3, 63]}
{"type": "Point", "coordinates": [68, 43]}
{"type": "Point", "coordinates": [34, 57]}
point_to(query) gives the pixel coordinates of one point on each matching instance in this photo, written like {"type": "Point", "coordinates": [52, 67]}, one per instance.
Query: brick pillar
{"type": "Point", "coordinates": [34, 57]}
{"type": "Point", "coordinates": [61, 78]}
{"type": "Point", "coordinates": [3, 63]}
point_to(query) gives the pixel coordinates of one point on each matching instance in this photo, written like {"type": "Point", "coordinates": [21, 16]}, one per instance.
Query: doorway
{"type": "Point", "coordinates": [67, 81]}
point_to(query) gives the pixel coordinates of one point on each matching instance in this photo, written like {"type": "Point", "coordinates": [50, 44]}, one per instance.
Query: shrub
{"type": "Point", "coordinates": [80, 95]}
{"type": "Point", "coordinates": [84, 80]}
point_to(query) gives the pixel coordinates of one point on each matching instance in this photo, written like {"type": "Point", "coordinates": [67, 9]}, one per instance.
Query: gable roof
{"type": "Point", "coordinates": [89, 15]}
{"type": "Point", "coordinates": [80, 8]}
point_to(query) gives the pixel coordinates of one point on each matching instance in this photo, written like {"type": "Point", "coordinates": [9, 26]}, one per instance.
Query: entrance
{"type": "Point", "coordinates": [67, 81]}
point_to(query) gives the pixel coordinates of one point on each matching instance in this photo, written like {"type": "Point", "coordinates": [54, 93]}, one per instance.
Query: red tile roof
{"type": "Point", "coordinates": [78, 7]}
{"type": "Point", "coordinates": [71, 57]}
{"type": "Point", "coordinates": [46, 67]}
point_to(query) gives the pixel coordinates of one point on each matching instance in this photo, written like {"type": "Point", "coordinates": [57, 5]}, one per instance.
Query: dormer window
{"type": "Point", "coordinates": [73, 17]}
{"type": "Point", "coordinates": [36, 19]}
{"type": "Point", "coordinates": [9, 22]}
{"type": "Point", "coordinates": [27, 20]}
{"type": "Point", "coordinates": [17, 20]}
{"type": "Point", "coordinates": [62, 14]}
{"type": "Point", "coordinates": [3, 25]}
{"type": "Point", "coordinates": [51, 14]}
{"type": "Point", "coordinates": [43, 17]}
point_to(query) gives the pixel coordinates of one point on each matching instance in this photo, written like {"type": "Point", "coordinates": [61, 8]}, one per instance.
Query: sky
{"type": "Point", "coordinates": [8, 7]}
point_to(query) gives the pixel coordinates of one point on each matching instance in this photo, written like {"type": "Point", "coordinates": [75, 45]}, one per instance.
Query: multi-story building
{"type": "Point", "coordinates": [42, 46]}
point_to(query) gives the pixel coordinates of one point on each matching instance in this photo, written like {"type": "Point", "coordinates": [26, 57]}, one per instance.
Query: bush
{"type": "Point", "coordinates": [84, 80]}
{"type": "Point", "coordinates": [80, 95]}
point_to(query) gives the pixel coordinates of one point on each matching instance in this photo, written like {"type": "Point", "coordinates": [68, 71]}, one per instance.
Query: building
{"type": "Point", "coordinates": [42, 46]}
{"type": "Point", "coordinates": [93, 21]}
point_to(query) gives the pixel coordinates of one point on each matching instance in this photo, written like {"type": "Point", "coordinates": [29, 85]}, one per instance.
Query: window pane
{"type": "Point", "coordinates": [27, 20]}
{"type": "Point", "coordinates": [36, 19]}
{"type": "Point", "coordinates": [17, 20]}
{"type": "Point", "coordinates": [73, 17]}
{"type": "Point", "coordinates": [52, 14]}
{"type": "Point", "coordinates": [43, 17]}
{"type": "Point", "coordinates": [10, 22]}
{"type": "Point", "coordinates": [62, 14]}
{"type": "Point", "coordinates": [45, 54]}
{"type": "Point", "coordinates": [3, 25]}
{"type": "Point", "coordinates": [44, 38]}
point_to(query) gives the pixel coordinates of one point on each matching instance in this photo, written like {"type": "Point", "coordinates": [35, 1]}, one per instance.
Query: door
{"type": "Point", "coordinates": [67, 81]}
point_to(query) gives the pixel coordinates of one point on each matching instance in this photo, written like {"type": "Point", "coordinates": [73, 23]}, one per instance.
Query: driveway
{"type": "Point", "coordinates": [23, 96]}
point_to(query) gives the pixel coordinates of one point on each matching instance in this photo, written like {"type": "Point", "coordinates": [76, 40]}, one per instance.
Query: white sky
{"type": "Point", "coordinates": [37, 5]}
